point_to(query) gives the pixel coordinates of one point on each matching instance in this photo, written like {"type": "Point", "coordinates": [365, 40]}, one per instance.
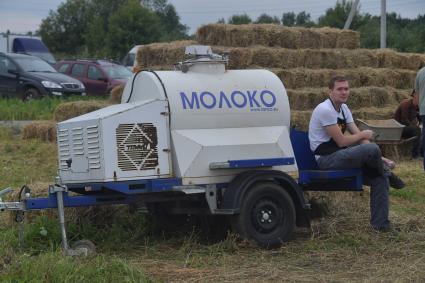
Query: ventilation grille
{"type": "Point", "coordinates": [64, 151]}
{"type": "Point", "coordinates": [137, 146]}
{"type": "Point", "coordinates": [93, 150]}
{"type": "Point", "coordinates": [73, 143]}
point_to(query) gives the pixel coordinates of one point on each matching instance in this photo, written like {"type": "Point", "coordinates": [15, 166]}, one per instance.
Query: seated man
{"type": "Point", "coordinates": [407, 114]}
{"type": "Point", "coordinates": [334, 150]}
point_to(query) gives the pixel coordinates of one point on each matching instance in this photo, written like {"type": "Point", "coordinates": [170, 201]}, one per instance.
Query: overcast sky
{"type": "Point", "coordinates": [20, 16]}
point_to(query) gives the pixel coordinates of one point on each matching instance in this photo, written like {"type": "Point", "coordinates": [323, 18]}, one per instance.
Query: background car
{"type": "Point", "coordinates": [28, 77]}
{"type": "Point", "coordinates": [98, 76]}
{"type": "Point", "coordinates": [129, 60]}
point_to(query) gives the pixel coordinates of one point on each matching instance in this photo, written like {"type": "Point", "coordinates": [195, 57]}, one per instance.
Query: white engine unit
{"type": "Point", "coordinates": [120, 142]}
{"type": "Point", "coordinates": [187, 124]}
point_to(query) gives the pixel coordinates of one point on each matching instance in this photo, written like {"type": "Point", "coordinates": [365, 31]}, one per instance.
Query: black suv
{"type": "Point", "coordinates": [30, 77]}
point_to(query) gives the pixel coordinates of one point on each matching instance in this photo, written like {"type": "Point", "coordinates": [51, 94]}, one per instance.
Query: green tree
{"type": "Point", "coordinates": [131, 24]}
{"type": "Point", "coordinates": [99, 12]}
{"type": "Point", "coordinates": [172, 29]}
{"type": "Point", "coordinates": [303, 19]}
{"type": "Point", "coordinates": [288, 19]}
{"type": "Point", "coordinates": [239, 19]}
{"type": "Point", "coordinates": [62, 30]}
{"type": "Point", "coordinates": [267, 19]}
{"type": "Point", "coordinates": [336, 16]}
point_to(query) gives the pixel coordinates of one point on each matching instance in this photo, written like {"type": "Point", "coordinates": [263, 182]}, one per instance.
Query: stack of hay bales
{"type": "Point", "coordinates": [305, 59]}
{"type": "Point", "coordinates": [46, 130]}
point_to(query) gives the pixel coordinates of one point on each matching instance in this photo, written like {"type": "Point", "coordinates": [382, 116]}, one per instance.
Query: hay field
{"type": "Point", "coordinates": [338, 247]}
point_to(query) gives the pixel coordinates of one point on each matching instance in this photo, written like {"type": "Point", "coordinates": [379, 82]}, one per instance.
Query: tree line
{"type": "Point", "coordinates": [109, 28]}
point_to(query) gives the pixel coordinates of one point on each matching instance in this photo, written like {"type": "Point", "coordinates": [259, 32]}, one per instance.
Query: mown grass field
{"type": "Point", "coordinates": [339, 247]}
{"type": "Point", "coordinates": [37, 109]}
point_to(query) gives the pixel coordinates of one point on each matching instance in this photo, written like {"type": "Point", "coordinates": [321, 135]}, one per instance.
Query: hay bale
{"type": "Point", "coordinates": [116, 94]}
{"type": "Point", "coordinates": [161, 53]}
{"type": "Point", "coordinates": [301, 118]}
{"type": "Point", "coordinates": [43, 130]}
{"type": "Point", "coordinates": [277, 35]}
{"type": "Point", "coordinates": [73, 109]}
{"type": "Point", "coordinates": [358, 77]}
{"type": "Point", "coordinates": [309, 98]}
{"type": "Point", "coordinates": [389, 59]}
{"type": "Point", "coordinates": [164, 55]}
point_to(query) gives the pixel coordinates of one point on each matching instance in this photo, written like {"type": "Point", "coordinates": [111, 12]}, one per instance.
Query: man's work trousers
{"type": "Point", "coordinates": [368, 158]}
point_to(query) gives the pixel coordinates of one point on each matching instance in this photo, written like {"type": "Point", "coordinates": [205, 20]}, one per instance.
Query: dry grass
{"type": "Point", "coordinates": [358, 77]}
{"type": "Point", "coordinates": [73, 109]}
{"type": "Point", "coordinates": [277, 35]}
{"type": "Point", "coordinates": [43, 130]}
{"type": "Point", "coordinates": [309, 98]}
{"type": "Point", "coordinates": [340, 247]}
{"type": "Point", "coordinates": [301, 118]}
{"type": "Point", "coordinates": [116, 94]}
{"type": "Point", "coordinates": [161, 53]}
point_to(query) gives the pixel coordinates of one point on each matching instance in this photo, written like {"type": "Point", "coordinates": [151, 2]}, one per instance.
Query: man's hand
{"type": "Point", "coordinates": [367, 134]}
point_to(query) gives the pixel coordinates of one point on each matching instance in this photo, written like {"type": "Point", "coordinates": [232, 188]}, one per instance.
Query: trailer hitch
{"type": "Point", "coordinates": [10, 205]}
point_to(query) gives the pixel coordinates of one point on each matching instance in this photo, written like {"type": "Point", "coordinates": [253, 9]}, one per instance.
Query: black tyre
{"type": "Point", "coordinates": [30, 94]}
{"type": "Point", "coordinates": [267, 215]}
{"type": "Point", "coordinates": [87, 247]}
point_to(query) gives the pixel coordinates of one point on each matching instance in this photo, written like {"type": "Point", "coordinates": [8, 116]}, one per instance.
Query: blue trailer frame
{"type": "Point", "coordinates": [91, 194]}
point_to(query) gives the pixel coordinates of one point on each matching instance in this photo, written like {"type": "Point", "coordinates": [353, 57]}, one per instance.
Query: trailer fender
{"type": "Point", "coordinates": [240, 185]}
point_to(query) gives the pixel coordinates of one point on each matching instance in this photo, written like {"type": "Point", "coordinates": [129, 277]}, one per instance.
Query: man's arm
{"type": "Point", "coordinates": [342, 140]}
{"type": "Point", "coordinates": [353, 129]}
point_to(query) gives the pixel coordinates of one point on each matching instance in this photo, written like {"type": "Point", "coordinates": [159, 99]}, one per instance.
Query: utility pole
{"type": "Point", "coordinates": [383, 24]}
{"type": "Point", "coordinates": [351, 15]}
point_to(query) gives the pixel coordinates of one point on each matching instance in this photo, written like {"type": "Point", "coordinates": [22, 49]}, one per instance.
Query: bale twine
{"type": "Point", "coordinates": [277, 35]}
{"type": "Point", "coordinates": [116, 94]}
{"type": "Point", "coordinates": [73, 109]}
{"type": "Point", "coordinates": [42, 130]}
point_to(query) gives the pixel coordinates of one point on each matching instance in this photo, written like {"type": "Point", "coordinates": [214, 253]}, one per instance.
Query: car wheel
{"type": "Point", "coordinates": [30, 93]}
{"type": "Point", "coordinates": [267, 215]}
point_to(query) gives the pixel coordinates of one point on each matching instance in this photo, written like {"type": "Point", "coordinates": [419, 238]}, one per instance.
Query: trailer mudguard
{"type": "Point", "coordinates": [237, 189]}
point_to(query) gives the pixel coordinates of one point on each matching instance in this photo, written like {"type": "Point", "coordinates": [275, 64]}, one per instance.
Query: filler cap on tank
{"type": "Point", "coordinates": [202, 55]}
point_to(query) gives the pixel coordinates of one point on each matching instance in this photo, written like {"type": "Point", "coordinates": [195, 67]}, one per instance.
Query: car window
{"type": "Point", "coordinates": [129, 59]}
{"type": "Point", "coordinates": [34, 64]}
{"type": "Point", "coordinates": [117, 72]}
{"type": "Point", "coordinates": [63, 68]}
{"type": "Point", "coordinates": [94, 73]}
{"type": "Point", "coordinates": [77, 70]}
{"type": "Point", "coordinates": [6, 64]}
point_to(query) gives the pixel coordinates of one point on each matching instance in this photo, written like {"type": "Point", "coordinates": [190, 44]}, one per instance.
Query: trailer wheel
{"type": "Point", "coordinates": [86, 247]}
{"type": "Point", "coordinates": [267, 215]}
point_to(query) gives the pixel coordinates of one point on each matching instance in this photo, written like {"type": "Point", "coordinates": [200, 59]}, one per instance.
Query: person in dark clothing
{"type": "Point", "coordinates": [407, 114]}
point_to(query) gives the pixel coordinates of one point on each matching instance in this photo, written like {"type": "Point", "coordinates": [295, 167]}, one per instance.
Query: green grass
{"type": "Point", "coordinates": [22, 162]}
{"type": "Point", "coordinates": [38, 109]}
{"type": "Point", "coordinates": [54, 267]}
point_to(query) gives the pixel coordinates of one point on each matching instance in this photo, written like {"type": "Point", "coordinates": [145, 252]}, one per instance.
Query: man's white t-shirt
{"type": "Point", "coordinates": [325, 115]}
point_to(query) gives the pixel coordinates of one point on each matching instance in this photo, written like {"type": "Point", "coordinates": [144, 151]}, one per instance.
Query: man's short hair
{"type": "Point", "coordinates": [335, 79]}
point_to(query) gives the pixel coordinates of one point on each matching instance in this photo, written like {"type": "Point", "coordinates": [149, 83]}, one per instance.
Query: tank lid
{"type": "Point", "coordinates": [202, 55]}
